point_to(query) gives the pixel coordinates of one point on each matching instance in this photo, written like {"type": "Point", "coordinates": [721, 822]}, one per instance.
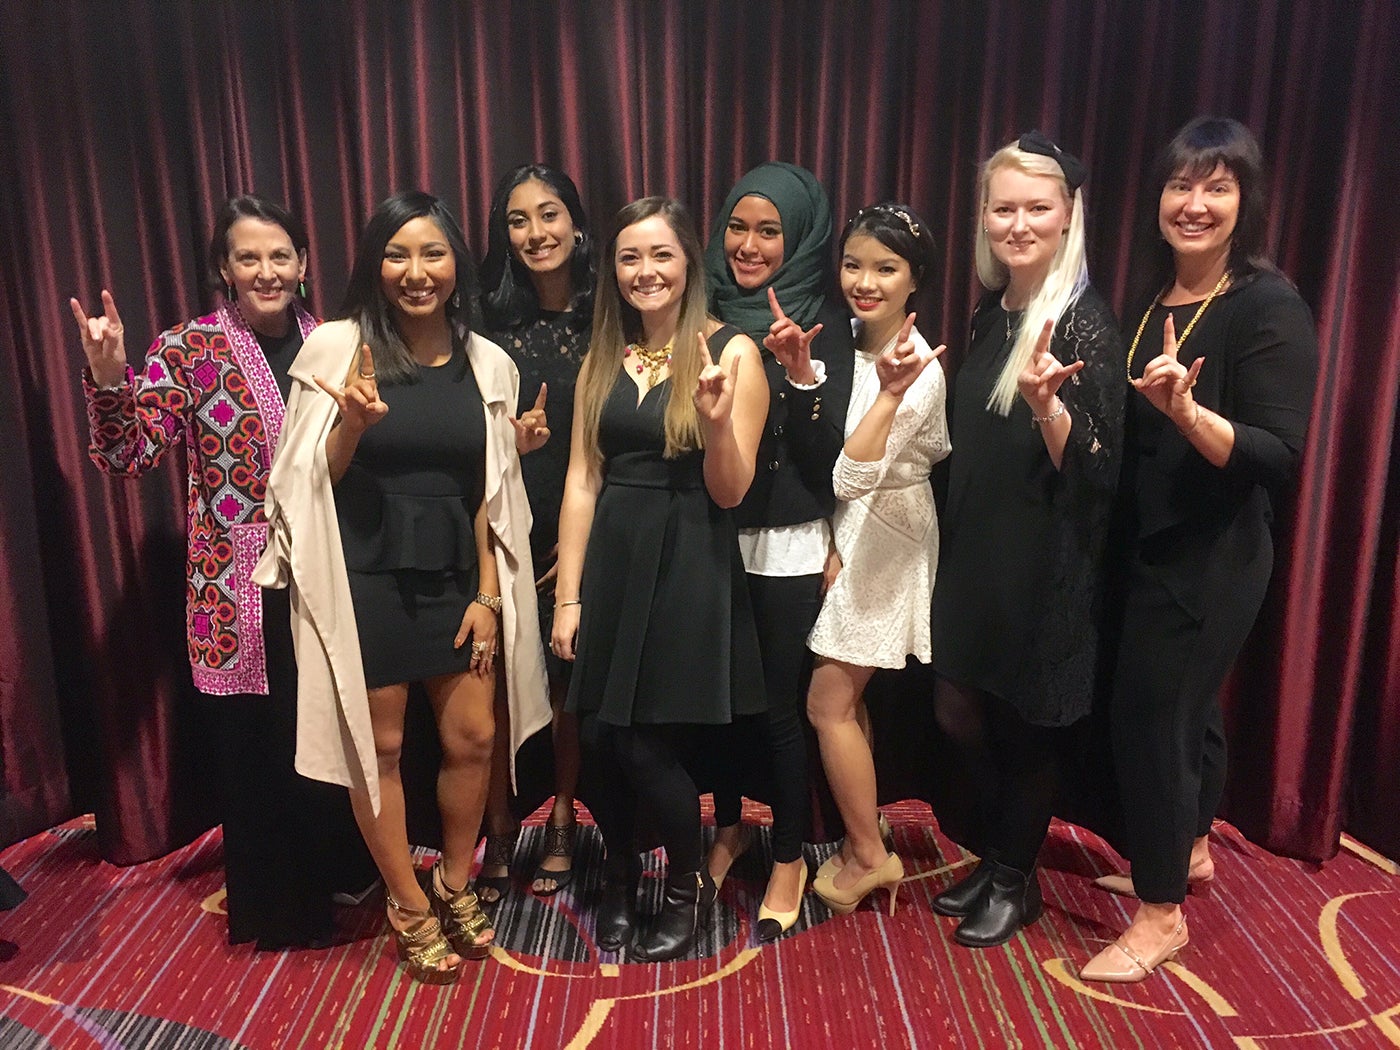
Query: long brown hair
{"type": "Point", "coordinates": [617, 323]}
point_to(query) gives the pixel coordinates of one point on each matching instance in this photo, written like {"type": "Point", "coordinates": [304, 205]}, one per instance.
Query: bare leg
{"type": "Point", "coordinates": [462, 704]}
{"type": "Point", "coordinates": [386, 834]}
{"type": "Point", "coordinates": [833, 705]}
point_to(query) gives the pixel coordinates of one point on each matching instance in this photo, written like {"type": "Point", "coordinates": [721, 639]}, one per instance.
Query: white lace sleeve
{"type": "Point", "coordinates": [919, 423]}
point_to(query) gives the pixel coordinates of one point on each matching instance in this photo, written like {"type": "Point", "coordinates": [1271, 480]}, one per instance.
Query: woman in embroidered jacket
{"type": "Point", "coordinates": [219, 383]}
{"type": "Point", "coordinates": [398, 517]}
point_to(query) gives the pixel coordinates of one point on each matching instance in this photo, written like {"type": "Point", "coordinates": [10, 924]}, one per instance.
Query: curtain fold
{"type": "Point", "coordinates": [128, 122]}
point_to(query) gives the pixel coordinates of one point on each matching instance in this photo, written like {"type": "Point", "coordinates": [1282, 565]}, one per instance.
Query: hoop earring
{"type": "Point", "coordinates": [456, 300]}
{"type": "Point", "coordinates": [578, 237]}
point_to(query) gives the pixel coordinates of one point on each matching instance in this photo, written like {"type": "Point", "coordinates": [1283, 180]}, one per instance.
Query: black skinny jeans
{"type": "Point", "coordinates": [774, 764]}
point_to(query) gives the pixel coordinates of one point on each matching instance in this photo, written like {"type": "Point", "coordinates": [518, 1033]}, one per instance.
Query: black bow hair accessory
{"type": "Point", "coordinates": [1072, 166]}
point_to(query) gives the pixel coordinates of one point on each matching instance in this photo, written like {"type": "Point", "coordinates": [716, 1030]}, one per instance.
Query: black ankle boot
{"type": "Point", "coordinates": [617, 910]}
{"type": "Point", "coordinates": [1010, 901]}
{"type": "Point", "coordinates": [684, 909]}
{"type": "Point", "coordinates": [960, 898]}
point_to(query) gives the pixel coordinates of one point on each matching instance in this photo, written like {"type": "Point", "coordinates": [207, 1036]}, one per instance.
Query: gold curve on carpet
{"type": "Point", "coordinates": [1384, 1021]}
{"type": "Point", "coordinates": [1255, 1040]}
{"type": "Point", "coordinates": [940, 871]}
{"type": "Point", "coordinates": [1213, 999]}
{"type": "Point", "coordinates": [1057, 969]}
{"type": "Point", "coordinates": [34, 996]}
{"type": "Point", "coordinates": [613, 970]}
{"type": "Point", "coordinates": [1332, 943]}
{"type": "Point", "coordinates": [601, 1009]}
{"type": "Point", "coordinates": [214, 903]}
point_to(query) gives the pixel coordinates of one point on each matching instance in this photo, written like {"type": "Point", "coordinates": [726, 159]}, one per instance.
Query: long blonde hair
{"type": "Point", "coordinates": [1066, 281]}
{"type": "Point", "coordinates": [617, 323]}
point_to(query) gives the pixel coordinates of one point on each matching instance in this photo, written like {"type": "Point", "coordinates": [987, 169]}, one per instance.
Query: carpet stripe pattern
{"type": "Point", "coordinates": [1282, 955]}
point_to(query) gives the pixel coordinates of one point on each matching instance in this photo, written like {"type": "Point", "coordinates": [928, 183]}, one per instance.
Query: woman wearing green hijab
{"type": "Point", "coordinates": [768, 268]}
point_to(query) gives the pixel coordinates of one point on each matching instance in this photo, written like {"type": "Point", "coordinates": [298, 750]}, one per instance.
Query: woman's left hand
{"type": "Point", "coordinates": [790, 344]}
{"type": "Point", "coordinates": [480, 625]}
{"type": "Point", "coordinates": [904, 362]}
{"type": "Point", "coordinates": [714, 392]}
{"type": "Point", "coordinates": [532, 428]}
{"type": "Point", "coordinates": [1167, 384]}
{"type": "Point", "coordinates": [1039, 383]}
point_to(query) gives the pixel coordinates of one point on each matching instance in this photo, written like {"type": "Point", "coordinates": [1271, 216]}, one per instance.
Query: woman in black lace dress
{"type": "Point", "coordinates": [1037, 423]}
{"type": "Point", "coordinates": [537, 301]}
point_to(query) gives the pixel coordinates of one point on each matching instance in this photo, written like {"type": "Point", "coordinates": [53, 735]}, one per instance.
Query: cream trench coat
{"type": "Point", "coordinates": [335, 742]}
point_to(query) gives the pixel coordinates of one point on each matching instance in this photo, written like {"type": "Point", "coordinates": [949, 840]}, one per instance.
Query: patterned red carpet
{"type": "Point", "coordinates": [1281, 956]}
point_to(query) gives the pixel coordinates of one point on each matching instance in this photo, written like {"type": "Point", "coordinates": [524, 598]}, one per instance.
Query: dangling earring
{"type": "Point", "coordinates": [228, 292]}
{"type": "Point", "coordinates": [456, 300]}
{"type": "Point", "coordinates": [301, 288]}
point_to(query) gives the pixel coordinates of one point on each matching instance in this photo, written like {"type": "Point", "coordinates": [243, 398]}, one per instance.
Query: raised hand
{"type": "Point", "coordinates": [790, 344]}
{"type": "Point", "coordinates": [1166, 383]}
{"type": "Point", "coordinates": [358, 401]}
{"type": "Point", "coordinates": [714, 391]}
{"type": "Point", "coordinates": [532, 428]}
{"type": "Point", "coordinates": [904, 362]}
{"type": "Point", "coordinates": [102, 341]}
{"type": "Point", "coordinates": [1041, 379]}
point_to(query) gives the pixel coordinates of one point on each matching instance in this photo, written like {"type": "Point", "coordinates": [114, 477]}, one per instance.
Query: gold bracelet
{"type": "Point", "coordinates": [491, 601]}
{"type": "Point", "coordinates": [571, 601]}
{"type": "Point", "coordinates": [1194, 425]}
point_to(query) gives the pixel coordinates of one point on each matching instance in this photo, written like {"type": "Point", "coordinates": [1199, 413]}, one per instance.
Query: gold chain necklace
{"type": "Point", "coordinates": [1219, 286]}
{"type": "Point", "coordinates": [650, 360]}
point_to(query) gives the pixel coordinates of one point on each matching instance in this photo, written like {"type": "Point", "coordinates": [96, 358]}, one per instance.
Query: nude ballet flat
{"type": "Point", "coordinates": [1119, 964]}
{"type": "Point", "coordinates": [887, 876]}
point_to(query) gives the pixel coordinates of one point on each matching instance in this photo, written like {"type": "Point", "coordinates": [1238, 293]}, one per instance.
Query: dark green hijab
{"type": "Point", "coordinates": [801, 279]}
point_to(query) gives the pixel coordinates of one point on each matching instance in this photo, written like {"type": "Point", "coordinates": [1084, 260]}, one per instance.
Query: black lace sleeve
{"type": "Point", "coordinates": [1095, 397]}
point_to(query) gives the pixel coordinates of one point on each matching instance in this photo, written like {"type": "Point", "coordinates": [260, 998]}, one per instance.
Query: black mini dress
{"type": "Point", "coordinates": [406, 506]}
{"type": "Point", "coordinates": [667, 633]}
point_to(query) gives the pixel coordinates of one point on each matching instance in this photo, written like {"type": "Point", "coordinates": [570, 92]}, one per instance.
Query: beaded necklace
{"type": "Point", "coordinates": [650, 360]}
{"type": "Point", "coordinates": [1219, 287]}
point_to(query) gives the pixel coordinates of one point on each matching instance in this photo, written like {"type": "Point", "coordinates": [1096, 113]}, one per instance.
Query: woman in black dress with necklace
{"type": "Point", "coordinates": [537, 303]}
{"type": "Point", "coordinates": [1216, 429]}
{"type": "Point", "coordinates": [651, 592]}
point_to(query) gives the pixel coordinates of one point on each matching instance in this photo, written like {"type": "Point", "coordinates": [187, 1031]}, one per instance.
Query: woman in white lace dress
{"type": "Point", "coordinates": [876, 613]}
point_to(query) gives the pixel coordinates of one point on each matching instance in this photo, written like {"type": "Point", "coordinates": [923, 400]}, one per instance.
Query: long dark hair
{"type": "Point", "coordinates": [508, 298]}
{"type": "Point", "coordinates": [1194, 152]}
{"type": "Point", "coordinates": [249, 206]}
{"type": "Point", "coordinates": [364, 300]}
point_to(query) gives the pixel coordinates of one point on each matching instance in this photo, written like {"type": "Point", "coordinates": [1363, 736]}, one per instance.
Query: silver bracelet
{"type": "Point", "coordinates": [491, 601]}
{"type": "Point", "coordinates": [1040, 421]}
{"type": "Point", "coordinates": [1196, 423]}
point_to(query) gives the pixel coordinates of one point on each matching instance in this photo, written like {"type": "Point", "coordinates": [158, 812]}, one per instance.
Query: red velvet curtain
{"type": "Point", "coordinates": [127, 122]}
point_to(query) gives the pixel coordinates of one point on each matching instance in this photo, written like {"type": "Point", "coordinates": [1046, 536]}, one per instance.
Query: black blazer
{"type": "Point", "coordinates": [804, 433]}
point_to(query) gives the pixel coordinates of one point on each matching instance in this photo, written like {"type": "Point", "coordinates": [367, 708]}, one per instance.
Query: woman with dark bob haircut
{"type": "Point", "coordinates": [1215, 432]}
{"type": "Point", "coordinates": [221, 381]}
{"type": "Point", "coordinates": [537, 298]}
{"type": "Point", "coordinates": [399, 519]}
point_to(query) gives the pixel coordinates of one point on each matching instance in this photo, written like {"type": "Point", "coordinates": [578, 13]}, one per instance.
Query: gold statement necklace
{"type": "Point", "coordinates": [652, 361]}
{"type": "Point", "coordinates": [1219, 287]}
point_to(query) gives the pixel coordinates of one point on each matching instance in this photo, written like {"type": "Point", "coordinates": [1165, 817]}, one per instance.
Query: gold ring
{"type": "Point", "coordinates": [366, 375]}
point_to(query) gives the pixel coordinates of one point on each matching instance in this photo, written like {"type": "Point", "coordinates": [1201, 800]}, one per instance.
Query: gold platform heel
{"type": "Point", "coordinates": [422, 946]}
{"type": "Point", "coordinates": [463, 921]}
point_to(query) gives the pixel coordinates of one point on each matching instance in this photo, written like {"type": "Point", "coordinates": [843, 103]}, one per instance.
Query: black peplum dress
{"type": "Point", "coordinates": [667, 633]}
{"type": "Point", "coordinates": [406, 507]}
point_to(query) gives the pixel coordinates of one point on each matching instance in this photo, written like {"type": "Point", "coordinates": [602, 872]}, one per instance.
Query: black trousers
{"type": "Point", "coordinates": [1168, 733]}
{"type": "Point", "coordinates": [289, 842]}
{"type": "Point", "coordinates": [637, 777]}
{"type": "Point", "coordinates": [770, 759]}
